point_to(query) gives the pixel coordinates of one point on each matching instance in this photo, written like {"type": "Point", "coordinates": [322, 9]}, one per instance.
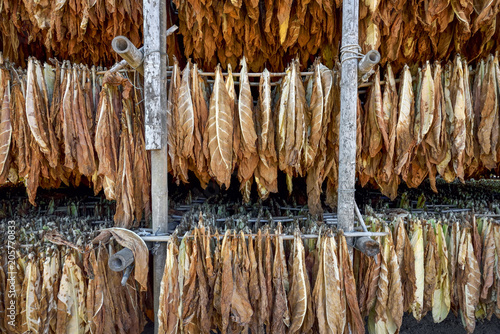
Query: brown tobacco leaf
{"type": "Point", "coordinates": [477, 243]}
{"type": "Point", "coordinates": [406, 260]}
{"type": "Point", "coordinates": [34, 112]}
{"type": "Point", "coordinates": [321, 166]}
{"type": "Point", "coordinates": [488, 261]}
{"type": "Point", "coordinates": [71, 317]}
{"type": "Point", "coordinates": [395, 303]}
{"type": "Point", "coordinates": [233, 106]}
{"type": "Point", "coordinates": [317, 110]}
{"type": "Point", "coordinates": [404, 134]}
{"type": "Point", "coordinates": [280, 309]}
{"type": "Point", "coordinates": [32, 291]}
{"type": "Point", "coordinates": [226, 281]}
{"type": "Point", "coordinates": [335, 303]}
{"type": "Point", "coordinates": [107, 139]}
{"type": "Point", "coordinates": [262, 308]}
{"type": "Point", "coordinates": [470, 162]}
{"type": "Point", "coordinates": [459, 108]}
{"type": "Point", "coordinates": [125, 186]}
{"type": "Point", "coordinates": [100, 306]}
{"type": "Point", "coordinates": [5, 124]}
{"type": "Point", "coordinates": [354, 319]}
{"type": "Point", "coordinates": [292, 123]}
{"type": "Point", "coordinates": [200, 106]}
{"type": "Point", "coordinates": [431, 269]}
{"type": "Point", "coordinates": [185, 124]}
{"type": "Point", "coordinates": [435, 144]}
{"type": "Point", "coordinates": [241, 308]}
{"type": "Point", "coordinates": [168, 311]}
{"type": "Point", "coordinates": [469, 278]}
{"type": "Point", "coordinates": [173, 89]}
{"type": "Point", "coordinates": [81, 108]}
{"type": "Point", "coordinates": [51, 272]}
{"type": "Point", "coordinates": [298, 297]}
{"type": "Point", "coordinates": [388, 311]}
{"type": "Point", "coordinates": [387, 180]}
{"type": "Point", "coordinates": [220, 132]}
{"type": "Point", "coordinates": [266, 172]}
{"type": "Point", "coordinates": [318, 293]}
{"type": "Point", "coordinates": [248, 157]}
{"type": "Point", "coordinates": [20, 130]}
{"type": "Point", "coordinates": [68, 123]}
{"type": "Point", "coordinates": [381, 319]}
{"type": "Point", "coordinates": [142, 170]}
{"type": "Point", "coordinates": [254, 292]}
{"type": "Point", "coordinates": [372, 283]}
{"type": "Point", "coordinates": [204, 309]}
{"type": "Point", "coordinates": [488, 126]}
{"type": "Point", "coordinates": [268, 277]}
{"type": "Point", "coordinates": [189, 319]}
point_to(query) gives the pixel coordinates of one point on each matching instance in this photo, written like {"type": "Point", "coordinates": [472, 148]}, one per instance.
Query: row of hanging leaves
{"type": "Point", "coordinates": [269, 33]}
{"type": "Point", "coordinates": [268, 285]}
{"type": "Point", "coordinates": [442, 122]}
{"type": "Point", "coordinates": [64, 125]}
{"type": "Point", "coordinates": [64, 287]}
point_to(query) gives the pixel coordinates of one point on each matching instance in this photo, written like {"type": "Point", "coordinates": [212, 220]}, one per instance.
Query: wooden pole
{"type": "Point", "coordinates": [348, 109]}
{"type": "Point", "coordinates": [155, 100]}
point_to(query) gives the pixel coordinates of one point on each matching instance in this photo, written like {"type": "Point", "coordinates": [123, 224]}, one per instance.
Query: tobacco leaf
{"type": "Point", "coordinates": [71, 317]}
{"type": "Point", "coordinates": [442, 294]}
{"type": "Point", "coordinates": [266, 172]}
{"type": "Point", "coordinates": [335, 303]}
{"type": "Point", "coordinates": [280, 310]}
{"type": "Point", "coordinates": [430, 268]}
{"type": "Point", "coordinates": [404, 133]}
{"type": "Point", "coordinates": [354, 319]}
{"type": "Point", "coordinates": [220, 132]}
{"type": "Point", "coordinates": [34, 114]}
{"type": "Point", "coordinates": [32, 290]}
{"type": "Point", "coordinates": [185, 124]}
{"type": "Point", "coordinates": [470, 280]}
{"type": "Point", "coordinates": [298, 297]}
{"type": "Point", "coordinates": [248, 156]}
{"type": "Point", "coordinates": [417, 246]}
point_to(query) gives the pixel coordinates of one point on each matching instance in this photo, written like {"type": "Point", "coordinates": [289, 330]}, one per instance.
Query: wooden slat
{"type": "Point", "coordinates": [348, 108]}
{"type": "Point", "coordinates": [155, 101]}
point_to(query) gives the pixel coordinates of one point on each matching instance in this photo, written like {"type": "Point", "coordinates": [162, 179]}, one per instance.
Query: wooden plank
{"type": "Point", "coordinates": [348, 108]}
{"type": "Point", "coordinates": [155, 100]}
{"type": "Point", "coordinates": [152, 74]}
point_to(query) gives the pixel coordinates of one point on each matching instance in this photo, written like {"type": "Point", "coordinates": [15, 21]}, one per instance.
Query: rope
{"type": "Point", "coordinates": [353, 49]}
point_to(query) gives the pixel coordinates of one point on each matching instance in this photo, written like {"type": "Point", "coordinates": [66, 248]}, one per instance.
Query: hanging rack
{"type": "Point", "coordinates": [354, 234]}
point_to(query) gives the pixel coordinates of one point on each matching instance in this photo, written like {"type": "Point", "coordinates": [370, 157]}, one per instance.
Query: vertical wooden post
{"type": "Point", "coordinates": [348, 109]}
{"type": "Point", "coordinates": [155, 100]}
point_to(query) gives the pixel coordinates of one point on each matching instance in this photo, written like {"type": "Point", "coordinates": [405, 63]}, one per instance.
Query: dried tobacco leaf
{"type": "Point", "coordinates": [71, 317]}
{"type": "Point", "coordinates": [442, 293]}
{"type": "Point", "coordinates": [298, 295]}
{"type": "Point", "coordinates": [220, 132]}
{"type": "Point", "coordinates": [5, 125]}
{"type": "Point", "coordinates": [168, 311]}
{"type": "Point", "coordinates": [417, 245]}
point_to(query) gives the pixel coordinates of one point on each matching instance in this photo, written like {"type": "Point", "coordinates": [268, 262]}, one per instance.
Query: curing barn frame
{"type": "Point", "coordinates": [155, 100]}
{"type": "Point", "coordinates": [155, 103]}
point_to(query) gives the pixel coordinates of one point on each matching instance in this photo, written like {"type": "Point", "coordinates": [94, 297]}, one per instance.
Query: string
{"type": "Point", "coordinates": [353, 49]}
